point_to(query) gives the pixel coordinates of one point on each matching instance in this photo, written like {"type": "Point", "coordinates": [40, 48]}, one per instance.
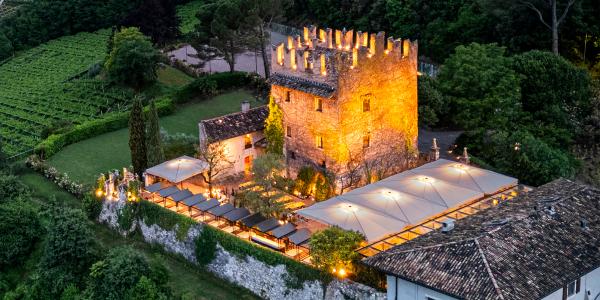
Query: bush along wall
{"type": "Point", "coordinates": [110, 122]}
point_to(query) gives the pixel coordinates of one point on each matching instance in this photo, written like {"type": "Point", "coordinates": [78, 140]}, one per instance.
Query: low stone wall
{"type": "Point", "coordinates": [264, 280]}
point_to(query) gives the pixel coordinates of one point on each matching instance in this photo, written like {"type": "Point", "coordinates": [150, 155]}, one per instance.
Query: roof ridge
{"type": "Point", "coordinates": [488, 269]}
{"type": "Point", "coordinates": [234, 113]}
{"type": "Point", "coordinates": [388, 253]}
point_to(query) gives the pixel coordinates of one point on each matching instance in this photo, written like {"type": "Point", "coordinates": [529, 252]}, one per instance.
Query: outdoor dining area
{"type": "Point", "coordinates": [168, 186]}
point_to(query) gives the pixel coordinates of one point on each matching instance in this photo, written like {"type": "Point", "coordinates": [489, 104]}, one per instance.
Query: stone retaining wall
{"type": "Point", "coordinates": [266, 281]}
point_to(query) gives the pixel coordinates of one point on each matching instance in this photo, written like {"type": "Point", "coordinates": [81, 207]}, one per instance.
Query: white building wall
{"type": "Point", "coordinates": [236, 149]}
{"type": "Point", "coordinates": [399, 289]}
{"type": "Point", "coordinates": [590, 288]}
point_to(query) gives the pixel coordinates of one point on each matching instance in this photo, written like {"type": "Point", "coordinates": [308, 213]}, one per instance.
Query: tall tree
{"type": "Point", "coordinates": [132, 61]}
{"type": "Point", "coordinates": [137, 137]}
{"type": "Point", "coordinates": [556, 17]}
{"type": "Point", "coordinates": [223, 24]}
{"type": "Point", "coordinates": [274, 128]}
{"type": "Point", "coordinates": [155, 18]}
{"type": "Point", "coordinates": [481, 87]}
{"type": "Point", "coordinates": [215, 155]}
{"type": "Point", "coordinates": [262, 14]}
{"type": "Point", "coordinates": [156, 154]}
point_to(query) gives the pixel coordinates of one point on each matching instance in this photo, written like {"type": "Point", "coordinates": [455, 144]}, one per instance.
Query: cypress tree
{"type": "Point", "coordinates": [274, 128]}
{"type": "Point", "coordinates": [156, 154]}
{"type": "Point", "coordinates": [137, 137]}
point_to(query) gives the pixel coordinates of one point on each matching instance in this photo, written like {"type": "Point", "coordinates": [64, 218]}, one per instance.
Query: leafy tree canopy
{"type": "Point", "coordinates": [335, 247]}
{"type": "Point", "coordinates": [481, 87]}
{"type": "Point", "coordinates": [133, 60]}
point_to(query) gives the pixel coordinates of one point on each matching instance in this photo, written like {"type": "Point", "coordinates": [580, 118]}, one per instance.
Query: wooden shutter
{"type": "Point", "coordinates": [564, 293]}
{"type": "Point", "coordinates": [578, 285]}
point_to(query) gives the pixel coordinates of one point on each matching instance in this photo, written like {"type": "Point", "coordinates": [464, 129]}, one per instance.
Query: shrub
{"type": "Point", "coordinates": [68, 251]}
{"type": "Point", "coordinates": [533, 163]}
{"type": "Point", "coordinates": [126, 216]}
{"type": "Point", "coordinates": [206, 247]}
{"type": "Point", "coordinates": [176, 145]}
{"type": "Point", "coordinates": [60, 179]}
{"type": "Point", "coordinates": [200, 88]}
{"type": "Point", "coordinates": [152, 213]}
{"type": "Point", "coordinates": [92, 206]}
{"type": "Point", "coordinates": [334, 248]}
{"type": "Point", "coordinates": [11, 187]}
{"type": "Point", "coordinates": [304, 180]}
{"type": "Point", "coordinates": [110, 122]}
{"type": "Point", "coordinates": [120, 274]}
{"type": "Point", "coordinates": [20, 229]}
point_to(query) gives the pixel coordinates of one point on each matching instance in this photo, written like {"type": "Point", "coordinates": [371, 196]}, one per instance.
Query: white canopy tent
{"type": "Point", "coordinates": [386, 207]}
{"type": "Point", "coordinates": [179, 169]}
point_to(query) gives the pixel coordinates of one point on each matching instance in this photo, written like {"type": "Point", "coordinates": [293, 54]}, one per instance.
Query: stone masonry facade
{"type": "Point", "coordinates": [345, 95]}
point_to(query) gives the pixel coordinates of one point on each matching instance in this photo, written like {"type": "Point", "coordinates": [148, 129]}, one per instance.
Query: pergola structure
{"type": "Point", "coordinates": [404, 201]}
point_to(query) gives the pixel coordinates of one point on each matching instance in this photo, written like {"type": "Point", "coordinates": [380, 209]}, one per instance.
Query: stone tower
{"type": "Point", "coordinates": [345, 96]}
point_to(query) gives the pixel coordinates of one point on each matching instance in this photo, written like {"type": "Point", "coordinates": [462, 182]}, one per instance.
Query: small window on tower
{"type": "Point", "coordinates": [318, 104]}
{"type": "Point", "coordinates": [366, 99]}
{"type": "Point", "coordinates": [292, 155]}
{"type": "Point", "coordinates": [319, 142]}
{"type": "Point", "coordinates": [288, 96]}
{"type": "Point", "coordinates": [247, 141]}
{"type": "Point", "coordinates": [288, 131]}
{"type": "Point", "coordinates": [323, 164]}
{"type": "Point", "coordinates": [366, 141]}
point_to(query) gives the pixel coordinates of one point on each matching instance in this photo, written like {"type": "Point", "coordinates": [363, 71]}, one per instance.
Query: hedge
{"type": "Point", "coordinates": [152, 213]}
{"type": "Point", "coordinates": [299, 272]}
{"type": "Point", "coordinates": [205, 86]}
{"type": "Point", "coordinates": [110, 122]}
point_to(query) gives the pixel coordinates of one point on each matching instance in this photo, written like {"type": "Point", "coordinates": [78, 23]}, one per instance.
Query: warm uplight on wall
{"type": "Point", "coordinates": [495, 202]}
{"type": "Point", "coordinates": [98, 193]}
{"type": "Point", "coordinates": [341, 272]}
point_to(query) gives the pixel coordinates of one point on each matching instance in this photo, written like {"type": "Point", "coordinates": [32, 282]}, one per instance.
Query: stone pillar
{"type": "Point", "coordinates": [465, 156]}
{"type": "Point", "coordinates": [435, 151]}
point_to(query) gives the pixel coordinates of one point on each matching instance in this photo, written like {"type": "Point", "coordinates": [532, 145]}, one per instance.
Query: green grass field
{"type": "Point", "coordinates": [172, 77]}
{"type": "Point", "coordinates": [85, 160]}
{"type": "Point", "coordinates": [184, 279]}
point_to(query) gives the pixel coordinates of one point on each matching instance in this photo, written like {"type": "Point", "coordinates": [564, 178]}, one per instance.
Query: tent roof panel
{"type": "Point", "coordinates": [407, 198]}
{"type": "Point", "coordinates": [206, 205]}
{"type": "Point", "coordinates": [284, 230]}
{"type": "Point", "coordinates": [300, 236]}
{"type": "Point", "coordinates": [179, 169]}
{"type": "Point", "coordinates": [153, 188]}
{"type": "Point", "coordinates": [168, 191]}
{"type": "Point", "coordinates": [218, 211]}
{"type": "Point", "coordinates": [236, 214]}
{"type": "Point", "coordinates": [193, 200]}
{"type": "Point", "coordinates": [181, 195]}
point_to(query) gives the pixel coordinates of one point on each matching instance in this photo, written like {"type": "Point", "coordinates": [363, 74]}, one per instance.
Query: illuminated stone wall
{"type": "Point", "coordinates": [357, 67]}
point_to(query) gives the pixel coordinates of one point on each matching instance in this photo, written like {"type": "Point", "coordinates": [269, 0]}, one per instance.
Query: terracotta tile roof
{"type": "Point", "coordinates": [522, 249]}
{"type": "Point", "coordinates": [236, 124]}
{"type": "Point", "coordinates": [302, 84]}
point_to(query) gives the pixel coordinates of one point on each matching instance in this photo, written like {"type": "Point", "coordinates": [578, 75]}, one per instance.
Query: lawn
{"type": "Point", "coordinates": [170, 76]}
{"type": "Point", "coordinates": [83, 161]}
{"type": "Point", "coordinates": [185, 279]}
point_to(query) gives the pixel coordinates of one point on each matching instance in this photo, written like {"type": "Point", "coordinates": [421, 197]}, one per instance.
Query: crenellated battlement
{"type": "Point", "coordinates": [326, 52]}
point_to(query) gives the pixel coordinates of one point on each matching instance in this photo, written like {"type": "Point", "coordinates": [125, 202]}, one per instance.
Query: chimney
{"type": "Point", "coordinates": [245, 106]}
{"type": "Point", "coordinates": [435, 150]}
{"type": "Point", "coordinates": [447, 225]}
